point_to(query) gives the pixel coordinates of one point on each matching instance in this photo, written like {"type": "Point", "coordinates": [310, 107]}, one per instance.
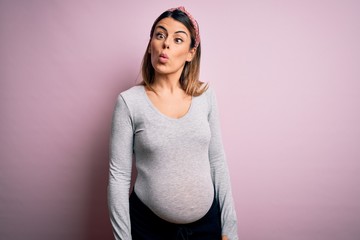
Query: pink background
{"type": "Point", "coordinates": [287, 77]}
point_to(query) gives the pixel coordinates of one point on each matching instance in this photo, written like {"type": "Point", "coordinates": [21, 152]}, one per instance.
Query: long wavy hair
{"type": "Point", "coordinates": [189, 78]}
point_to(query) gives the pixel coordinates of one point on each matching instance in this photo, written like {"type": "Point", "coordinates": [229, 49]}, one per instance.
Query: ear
{"type": "Point", "coordinates": [191, 54]}
{"type": "Point", "coordinates": [149, 47]}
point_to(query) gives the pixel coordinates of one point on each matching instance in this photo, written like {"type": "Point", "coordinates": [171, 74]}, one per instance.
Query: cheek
{"type": "Point", "coordinates": [152, 51]}
{"type": "Point", "coordinates": [154, 45]}
{"type": "Point", "coordinates": [182, 54]}
{"type": "Point", "coordinates": [151, 47]}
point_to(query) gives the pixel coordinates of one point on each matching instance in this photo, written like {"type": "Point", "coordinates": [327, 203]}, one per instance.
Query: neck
{"type": "Point", "coordinates": [169, 83]}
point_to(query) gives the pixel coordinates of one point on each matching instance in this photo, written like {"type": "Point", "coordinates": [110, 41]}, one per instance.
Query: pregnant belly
{"type": "Point", "coordinates": [177, 199]}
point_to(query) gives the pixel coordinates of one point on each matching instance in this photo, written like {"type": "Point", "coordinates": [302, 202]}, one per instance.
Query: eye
{"type": "Point", "coordinates": [178, 40]}
{"type": "Point", "coordinates": [160, 35]}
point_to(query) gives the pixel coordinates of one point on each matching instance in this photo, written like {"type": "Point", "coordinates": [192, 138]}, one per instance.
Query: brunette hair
{"type": "Point", "coordinates": [189, 79]}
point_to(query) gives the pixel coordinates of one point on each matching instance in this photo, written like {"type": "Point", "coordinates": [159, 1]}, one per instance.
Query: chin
{"type": "Point", "coordinates": [163, 69]}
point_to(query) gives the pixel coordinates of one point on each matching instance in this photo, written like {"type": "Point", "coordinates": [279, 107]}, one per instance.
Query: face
{"type": "Point", "coordinates": [170, 47]}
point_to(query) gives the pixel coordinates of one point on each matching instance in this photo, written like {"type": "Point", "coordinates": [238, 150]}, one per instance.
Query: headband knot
{"type": "Point", "coordinates": [193, 21]}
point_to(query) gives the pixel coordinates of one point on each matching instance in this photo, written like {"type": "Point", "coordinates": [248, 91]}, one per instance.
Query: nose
{"type": "Point", "coordinates": [166, 43]}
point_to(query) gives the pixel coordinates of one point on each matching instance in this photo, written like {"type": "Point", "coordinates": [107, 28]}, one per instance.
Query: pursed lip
{"type": "Point", "coordinates": [164, 55]}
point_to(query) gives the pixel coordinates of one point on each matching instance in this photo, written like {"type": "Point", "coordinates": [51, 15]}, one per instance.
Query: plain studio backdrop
{"type": "Point", "coordinates": [287, 78]}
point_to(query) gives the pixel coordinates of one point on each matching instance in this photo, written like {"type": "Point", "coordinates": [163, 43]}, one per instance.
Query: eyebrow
{"type": "Point", "coordinates": [163, 28]}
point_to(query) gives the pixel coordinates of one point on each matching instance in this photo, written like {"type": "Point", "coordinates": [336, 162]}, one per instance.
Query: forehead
{"type": "Point", "coordinates": [172, 25]}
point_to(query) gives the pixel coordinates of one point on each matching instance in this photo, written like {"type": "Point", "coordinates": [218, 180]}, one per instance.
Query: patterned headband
{"type": "Point", "coordinates": [193, 21]}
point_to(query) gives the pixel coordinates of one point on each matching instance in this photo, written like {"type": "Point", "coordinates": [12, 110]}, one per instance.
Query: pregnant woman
{"type": "Point", "coordinates": [169, 123]}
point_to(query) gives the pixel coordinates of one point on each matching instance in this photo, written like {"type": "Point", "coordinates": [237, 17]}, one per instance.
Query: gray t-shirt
{"type": "Point", "coordinates": [179, 162]}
